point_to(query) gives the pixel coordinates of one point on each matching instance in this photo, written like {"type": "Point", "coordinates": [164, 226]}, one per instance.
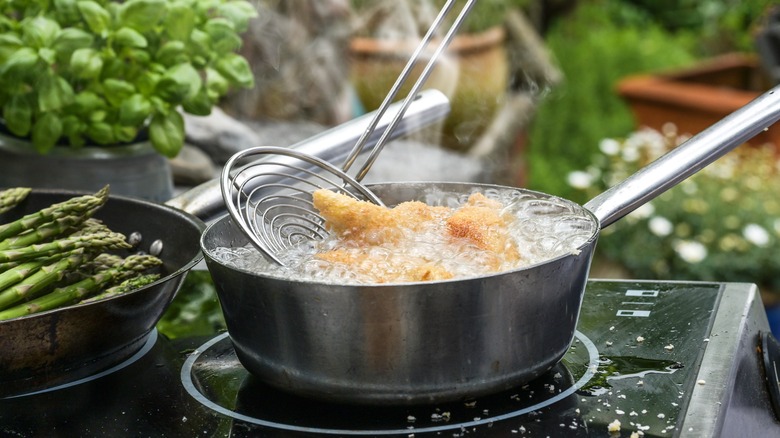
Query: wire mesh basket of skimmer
{"type": "Point", "coordinates": [270, 199]}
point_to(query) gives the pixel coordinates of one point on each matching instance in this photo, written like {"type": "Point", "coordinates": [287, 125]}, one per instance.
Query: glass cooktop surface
{"type": "Point", "coordinates": [634, 360]}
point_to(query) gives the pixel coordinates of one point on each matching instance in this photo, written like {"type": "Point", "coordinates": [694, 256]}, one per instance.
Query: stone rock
{"type": "Point", "coordinates": [219, 135]}
{"type": "Point", "coordinates": [192, 166]}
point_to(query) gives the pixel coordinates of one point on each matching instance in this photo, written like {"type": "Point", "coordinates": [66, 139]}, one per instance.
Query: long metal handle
{"type": "Point", "coordinates": [686, 159]}
{"type": "Point", "coordinates": [333, 145]}
{"type": "Point", "coordinates": [388, 131]}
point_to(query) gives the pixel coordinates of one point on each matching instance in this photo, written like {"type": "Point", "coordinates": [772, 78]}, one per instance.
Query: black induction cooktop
{"type": "Point", "coordinates": [655, 359]}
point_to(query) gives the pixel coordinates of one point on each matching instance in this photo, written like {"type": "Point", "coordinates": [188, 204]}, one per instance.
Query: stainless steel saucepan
{"type": "Point", "coordinates": [444, 340]}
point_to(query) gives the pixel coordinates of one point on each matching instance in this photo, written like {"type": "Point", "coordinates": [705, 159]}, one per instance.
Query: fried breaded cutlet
{"type": "Point", "coordinates": [413, 241]}
{"type": "Point", "coordinates": [370, 223]}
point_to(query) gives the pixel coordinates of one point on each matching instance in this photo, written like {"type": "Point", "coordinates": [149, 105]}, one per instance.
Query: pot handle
{"type": "Point", "coordinates": [687, 158]}
{"type": "Point", "coordinates": [205, 200]}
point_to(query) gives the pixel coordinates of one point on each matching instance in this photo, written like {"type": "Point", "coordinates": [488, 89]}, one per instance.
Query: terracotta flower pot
{"type": "Point", "coordinates": [473, 73]}
{"type": "Point", "coordinates": [695, 98]}
{"type": "Point", "coordinates": [135, 170]}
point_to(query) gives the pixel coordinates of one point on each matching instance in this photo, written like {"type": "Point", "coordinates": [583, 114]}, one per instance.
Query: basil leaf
{"type": "Point", "coordinates": [97, 18]}
{"type": "Point", "coordinates": [127, 37]}
{"type": "Point", "coordinates": [117, 90]}
{"type": "Point", "coordinates": [216, 84]}
{"type": "Point", "coordinates": [39, 31]}
{"type": "Point", "coordinates": [139, 56]}
{"type": "Point", "coordinates": [222, 34]}
{"type": "Point", "coordinates": [72, 127]}
{"type": "Point", "coordinates": [171, 91]}
{"type": "Point", "coordinates": [142, 15]}
{"type": "Point", "coordinates": [67, 12]}
{"type": "Point", "coordinates": [180, 22]}
{"type": "Point", "coordinates": [134, 110]}
{"type": "Point", "coordinates": [69, 40]}
{"type": "Point", "coordinates": [54, 92]}
{"type": "Point", "coordinates": [8, 45]}
{"type": "Point", "coordinates": [236, 70]}
{"type": "Point", "coordinates": [17, 114]}
{"type": "Point", "coordinates": [87, 102]}
{"type": "Point", "coordinates": [239, 13]}
{"type": "Point", "coordinates": [124, 133]}
{"type": "Point", "coordinates": [200, 43]}
{"type": "Point", "coordinates": [20, 66]}
{"type": "Point", "coordinates": [147, 81]}
{"type": "Point", "coordinates": [200, 104]}
{"type": "Point", "coordinates": [86, 63]}
{"type": "Point", "coordinates": [172, 53]}
{"type": "Point", "coordinates": [166, 132]}
{"type": "Point", "coordinates": [46, 132]}
{"type": "Point", "coordinates": [100, 133]}
{"type": "Point", "coordinates": [179, 83]}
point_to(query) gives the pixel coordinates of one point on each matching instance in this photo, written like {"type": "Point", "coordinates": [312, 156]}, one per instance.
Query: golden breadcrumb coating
{"type": "Point", "coordinates": [481, 222]}
{"type": "Point", "coordinates": [382, 243]}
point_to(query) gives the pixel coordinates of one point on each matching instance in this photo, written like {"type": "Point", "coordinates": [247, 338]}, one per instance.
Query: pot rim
{"type": "Point", "coordinates": [576, 252]}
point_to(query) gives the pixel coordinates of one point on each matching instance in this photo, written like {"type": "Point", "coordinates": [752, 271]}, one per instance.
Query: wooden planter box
{"type": "Point", "coordinates": [697, 97]}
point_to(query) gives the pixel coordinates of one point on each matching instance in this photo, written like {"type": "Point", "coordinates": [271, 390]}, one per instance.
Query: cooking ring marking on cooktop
{"type": "Point", "coordinates": [150, 341]}
{"type": "Point", "coordinates": [189, 386]}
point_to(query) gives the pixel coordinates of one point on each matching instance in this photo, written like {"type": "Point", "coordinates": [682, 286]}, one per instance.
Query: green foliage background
{"type": "Point", "coordinates": [603, 41]}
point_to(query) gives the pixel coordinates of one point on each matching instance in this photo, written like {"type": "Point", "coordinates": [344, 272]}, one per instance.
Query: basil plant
{"type": "Point", "coordinates": [101, 72]}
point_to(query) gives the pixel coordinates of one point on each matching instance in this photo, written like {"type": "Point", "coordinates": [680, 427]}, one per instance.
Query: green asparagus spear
{"type": "Point", "coordinates": [39, 281]}
{"type": "Point", "coordinates": [61, 296]}
{"type": "Point", "coordinates": [43, 260]}
{"type": "Point", "coordinates": [91, 226]}
{"type": "Point", "coordinates": [18, 273]}
{"type": "Point", "coordinates": [94, 241]}
{"type": "Point", "coordinates": [126, 286]}
{"type": "Point", "coordinates": [75, 205]}
{"type": "Point", "coordinates": [10, 198]}
{"type": "Point", "coordinates": [48, 230]}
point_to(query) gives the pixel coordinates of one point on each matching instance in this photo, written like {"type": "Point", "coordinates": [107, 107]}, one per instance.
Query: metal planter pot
{"type": "Point", "coordinates": [135, 170]}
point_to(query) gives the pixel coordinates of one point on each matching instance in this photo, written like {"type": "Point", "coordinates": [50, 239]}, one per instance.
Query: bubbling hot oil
{"type": "Point", "coordinates": [541, 227]}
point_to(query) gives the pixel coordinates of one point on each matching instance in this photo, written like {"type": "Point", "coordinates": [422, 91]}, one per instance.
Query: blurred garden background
{"type": "Point", "coordinates": [721, 225]}
{"type": "Point", "coordinates": [561, 118]}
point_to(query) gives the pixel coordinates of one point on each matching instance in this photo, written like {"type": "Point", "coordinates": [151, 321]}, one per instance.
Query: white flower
{"type": "Point", "coordinates": [689, 187]}
{"type": "Point", "coordinates": [660, 226]}
{"type": "Point", "coordinates": [690, 251]}
{"type": "Point", "coordinates": [643, 211]}
{"type": "Point", "coordinates": [756, 234]}
{"type": "Point", "coordinates": [630, 154]}
{"type": "Point", "coordinates": [609, 146]}
{"type": "Point", "coordinates": [579, 179]}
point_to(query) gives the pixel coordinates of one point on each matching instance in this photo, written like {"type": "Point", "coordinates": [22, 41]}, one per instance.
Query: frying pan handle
{"type": "Point", "coordinates": [686, 159]}
{"type": "Point", "coordinates": [205, 201]}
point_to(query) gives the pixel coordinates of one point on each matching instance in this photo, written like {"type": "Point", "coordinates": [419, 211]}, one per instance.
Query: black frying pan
{"type": "Point", "coordinates": [49, 348]}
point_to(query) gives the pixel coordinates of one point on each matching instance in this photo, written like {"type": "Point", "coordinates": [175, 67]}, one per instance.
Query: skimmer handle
{"type": "Point", "coordinates": [402, 77]}
{"type": "Point", "coordinates": [687, 158]}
